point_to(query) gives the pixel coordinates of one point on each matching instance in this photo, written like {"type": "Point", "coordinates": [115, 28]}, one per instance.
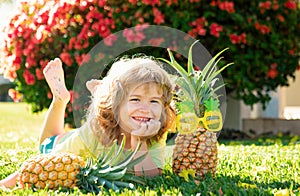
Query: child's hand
{"type": "Point", "coordinates": [147, 129]}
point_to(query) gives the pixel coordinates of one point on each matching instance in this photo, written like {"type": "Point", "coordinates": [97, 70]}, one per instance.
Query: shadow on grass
{"type": "Point", "coordinates": [236, 137]}
{"type": "Point", "coordinates": [219, 185]}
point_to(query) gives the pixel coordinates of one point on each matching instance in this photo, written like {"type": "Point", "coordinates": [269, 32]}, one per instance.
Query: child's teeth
{"type": "Point", "coordinates": [142, 119]}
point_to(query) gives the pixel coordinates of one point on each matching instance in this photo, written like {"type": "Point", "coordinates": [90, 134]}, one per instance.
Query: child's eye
{"type": "Point", "coordinates": [155, 101]}
{"type": "Point", "coordinates": [134, 100]}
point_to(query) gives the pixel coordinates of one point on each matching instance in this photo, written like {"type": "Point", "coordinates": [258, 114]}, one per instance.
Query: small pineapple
{"type": "Point", "coordinates": [112, 170]}
{"type": "Point", "coordinates": [198, 117]}
{"type": "Point", "coordinates": [51, 170]}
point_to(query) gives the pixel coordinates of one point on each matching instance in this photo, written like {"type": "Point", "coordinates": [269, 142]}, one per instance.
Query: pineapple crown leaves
{"type": "Point", "coordinates": [110, 170]}
{"type": "Point", "coordinates": [211, 104]}
{"type": "Point", "coordinates": [197, 86]}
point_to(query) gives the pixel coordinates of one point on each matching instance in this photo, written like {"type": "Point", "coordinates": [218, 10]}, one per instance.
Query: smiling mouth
{"type": "Point", "coordinates": [142, 119]}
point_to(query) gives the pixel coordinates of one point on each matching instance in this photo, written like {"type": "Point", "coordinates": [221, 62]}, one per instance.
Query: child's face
{"type": "Point", "coordinates": [143, 103]}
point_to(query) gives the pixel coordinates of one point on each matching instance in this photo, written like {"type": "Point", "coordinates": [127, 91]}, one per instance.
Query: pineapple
{"type": "Point", "coordinates": [198, 118]}
{"type": "Point", "coordinates": [52, 171]}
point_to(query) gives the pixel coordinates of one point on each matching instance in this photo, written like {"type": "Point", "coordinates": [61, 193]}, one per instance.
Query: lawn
{"type": "Point", "coordinates": [265, 166]}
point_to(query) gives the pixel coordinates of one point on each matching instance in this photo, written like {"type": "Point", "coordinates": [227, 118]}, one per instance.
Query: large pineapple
{"type": "Point", "coordinates": [198, 117]}
{"type": "Point", "coordinates": [112, 170]}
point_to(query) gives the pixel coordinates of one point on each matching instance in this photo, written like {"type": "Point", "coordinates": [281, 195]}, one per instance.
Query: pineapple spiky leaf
{"type": "Point", "coordinates": [197, 87]}
{"type": "Point", "coordinates": [108, 173]}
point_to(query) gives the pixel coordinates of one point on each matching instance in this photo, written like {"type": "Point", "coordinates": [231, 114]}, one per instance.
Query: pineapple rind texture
{"type": "Point", "coordinates": [197, 151]}
{"type": "Point", "coordinates": [50, 170]}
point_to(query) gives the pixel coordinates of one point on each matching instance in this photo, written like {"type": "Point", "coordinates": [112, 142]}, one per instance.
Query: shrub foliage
{"type": "Point", "coordinates": [263, 38]}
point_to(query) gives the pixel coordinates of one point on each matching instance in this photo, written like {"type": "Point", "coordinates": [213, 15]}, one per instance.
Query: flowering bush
{"type": "Point", "coordinates": [262, 35]}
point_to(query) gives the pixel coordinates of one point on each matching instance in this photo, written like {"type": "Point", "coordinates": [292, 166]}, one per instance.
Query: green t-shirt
{"type": "Point", "coordinates": [82, 142]}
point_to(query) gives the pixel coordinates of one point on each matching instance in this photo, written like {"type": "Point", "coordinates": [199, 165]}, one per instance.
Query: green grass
{"type": "Point", "coordinates": [259, 167]}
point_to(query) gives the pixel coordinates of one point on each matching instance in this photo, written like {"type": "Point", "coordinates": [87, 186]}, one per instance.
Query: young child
{"type": "Point", "coordinates": [133, 100]}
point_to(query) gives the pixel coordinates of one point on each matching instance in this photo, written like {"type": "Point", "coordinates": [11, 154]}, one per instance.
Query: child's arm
{"type": "Point", "coordinates": [147, 165]}
{"type": "Point", "coordinates": [10, 181]}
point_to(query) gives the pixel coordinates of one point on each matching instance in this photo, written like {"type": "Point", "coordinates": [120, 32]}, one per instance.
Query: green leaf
{"type": "Point", "coordinates": [116, 175]}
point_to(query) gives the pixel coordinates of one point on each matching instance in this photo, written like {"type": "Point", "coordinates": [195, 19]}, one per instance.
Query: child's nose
{"type": "Point", "coordinates": [145, 107]}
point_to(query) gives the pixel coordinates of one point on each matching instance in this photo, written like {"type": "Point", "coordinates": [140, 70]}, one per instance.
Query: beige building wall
{"type": "Point", "coordinates": [290, 99]}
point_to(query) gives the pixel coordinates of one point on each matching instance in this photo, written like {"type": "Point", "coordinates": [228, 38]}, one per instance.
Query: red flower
{"type": "Point", "coordinates": [263, 6]}
{"type": "Point", "coordinates": [39, 74]}
{"type": "Point", "coordinates": [280, 18]}
{"type": "Point", "coordinates": [156, 41]}
{"type": "Point", "coordinates": [215, 29]}
{"type": "Point", "coordinates": [72, 42]}
{"type": "Point", "coordinates": [199, 29]}
{"type": "Point", "coordinates": [290, 5]}
{"type": "Point", "coordinates": [158, 16]}
{"type": "Point", "coordinates": [291, 52]}
{"type": "Point", "coordinates": [170, 2]}
{"type": "Point", "coordinates": [28, 77]}
{"type": "Point", "coordinates": [49, 95]}
{"type": "Point", "coordinates": [272, 73]}
{"type": "Point", "coordinates": [66, 58]}
{"type": "Point", "coordinates": [234, 38]}
{"type": "Point", "coordinates": [78, 59]}
{"type": "Point", "coordinates": [133, 2]}
{"type": "Point", "coordinates": [151, 2]}
{"type": "Point", "coordinates": [226, 6]}
{"type": "Point", "coordinates": [275, 5]}
{"type": "Point", "coordinates": [264, 29]}
{"type": "Point", "coordinates": [73, 96]}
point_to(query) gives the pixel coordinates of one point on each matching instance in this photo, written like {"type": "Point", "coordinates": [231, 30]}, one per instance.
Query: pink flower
{"type": "Point", "coordinates": [15, 95]}
{"type": "Point", "coordinates": [290, 5]}
{"type": "Point", "coordinates": [215, 29]}
{"type": "Point", "coordinates": [101, 3]}
{"type": "Point", "coordinates": [109, 41]}
{"type": "Point", "coordinates": [66, 58]}
{"type": "Point", "coordinates": [133, 37]}
{"type": "Point", "coordinates": [201, 31]}
{"type": "Point", "coordinates": [28, 77]}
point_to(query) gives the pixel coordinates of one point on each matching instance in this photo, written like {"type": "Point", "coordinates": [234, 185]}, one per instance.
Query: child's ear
{"type": "Point", "coordinates": [92, 85]}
